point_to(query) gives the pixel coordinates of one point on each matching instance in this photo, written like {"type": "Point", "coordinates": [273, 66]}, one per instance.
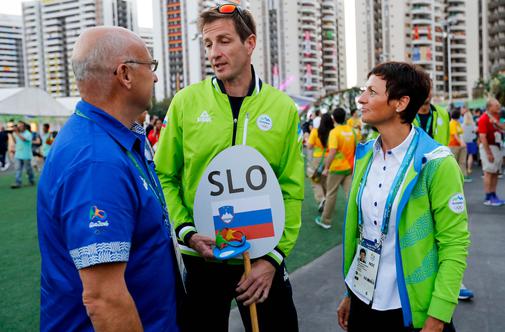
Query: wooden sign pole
{"type": "Point", "coordinates": [252, 307]}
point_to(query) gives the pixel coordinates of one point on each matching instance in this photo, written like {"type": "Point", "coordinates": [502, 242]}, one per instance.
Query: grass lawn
{"type": "Point", "coordinates": [20, 260]}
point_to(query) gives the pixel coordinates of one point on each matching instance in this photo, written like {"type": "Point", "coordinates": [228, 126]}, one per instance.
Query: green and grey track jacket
{"type": "Point", "coordinates": [199, 125]}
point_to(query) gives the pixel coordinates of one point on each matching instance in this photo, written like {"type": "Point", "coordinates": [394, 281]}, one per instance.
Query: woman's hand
{"type": "Point", "coordinates": [433, 325]}
{"type": "Point", "coordinates": [343, 312]}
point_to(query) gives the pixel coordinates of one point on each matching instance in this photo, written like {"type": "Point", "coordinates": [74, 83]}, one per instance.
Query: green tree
{"type": "Point", "coordinates": [160, 108]}
{"type": "Point", "coordinates": [496, 87]}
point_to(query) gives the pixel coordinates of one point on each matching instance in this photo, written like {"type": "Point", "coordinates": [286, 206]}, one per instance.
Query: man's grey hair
{"type": "Point", "coordinates": [99, 60]}
{"type": "Point", "coordinates": [491, 101]}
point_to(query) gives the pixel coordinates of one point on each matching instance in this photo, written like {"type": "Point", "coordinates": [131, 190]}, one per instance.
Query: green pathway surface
{"type": "Point", "coordinates": [20, 259]}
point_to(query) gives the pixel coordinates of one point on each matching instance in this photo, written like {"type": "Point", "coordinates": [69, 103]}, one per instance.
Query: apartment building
{"type": "Point", "coordinates": [301, 46]}
{"type": "Point", "coordinates": [12, 72]}
{"type": "Point", "coordinates": [51, 29]}
{"type": "Point", "coordinates": [442, 36]}
{"type": "Point", "coordinates": [147, 36]}
{"type": "Point", "coordinates": [493, 35]}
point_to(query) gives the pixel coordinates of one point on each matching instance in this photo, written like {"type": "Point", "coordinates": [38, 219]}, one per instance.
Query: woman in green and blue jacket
{"type": "Point", "coordinates": [406, 233]}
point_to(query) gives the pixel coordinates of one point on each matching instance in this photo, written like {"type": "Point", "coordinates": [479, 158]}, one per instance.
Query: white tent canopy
{"type": "Point", "coordinates": [69, 103]}
{"type": "Point", "coordinates": [30, 102]}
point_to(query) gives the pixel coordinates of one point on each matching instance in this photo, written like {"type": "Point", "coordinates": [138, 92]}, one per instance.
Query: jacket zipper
{"type": "Point", "coordinates": [235, 121]}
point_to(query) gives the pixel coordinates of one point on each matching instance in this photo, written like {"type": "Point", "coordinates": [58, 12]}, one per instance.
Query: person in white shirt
{"type": "Point", "coordinates": [406, 213]}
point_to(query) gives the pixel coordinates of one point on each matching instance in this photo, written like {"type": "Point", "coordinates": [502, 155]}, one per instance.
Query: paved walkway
{"type": "Point", "coordinates": [317, 285]}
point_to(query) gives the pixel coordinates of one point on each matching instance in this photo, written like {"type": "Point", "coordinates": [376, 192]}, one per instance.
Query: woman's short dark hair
{"type": "Point", "coordinates": [456, 114]}
{"type": "Point", "coordinates": [339, 115]}
{"type": "Point", "coordinates": [404, 79]}
{"type": "Point", "coordinates": [243, 21]}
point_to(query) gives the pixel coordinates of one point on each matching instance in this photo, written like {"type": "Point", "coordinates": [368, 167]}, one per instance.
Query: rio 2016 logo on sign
{"type": "Point", "coordinates": [240, 191]}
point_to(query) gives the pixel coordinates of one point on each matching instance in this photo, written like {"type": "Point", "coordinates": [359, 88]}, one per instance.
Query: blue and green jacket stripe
{"type": "Point", "coordinates": [432, 237]}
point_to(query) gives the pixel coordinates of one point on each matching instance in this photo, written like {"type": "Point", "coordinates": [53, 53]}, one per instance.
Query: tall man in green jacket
{"type": "Point", "coordinates": [203, 120]}
{"type": "Point", "coordinates": [434, 120]}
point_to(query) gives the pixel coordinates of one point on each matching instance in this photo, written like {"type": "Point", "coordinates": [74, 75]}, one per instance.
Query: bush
{"type": "Point", "coordinates": [496, 87]}
{"type": "Point", "coordinates": [160, 108]}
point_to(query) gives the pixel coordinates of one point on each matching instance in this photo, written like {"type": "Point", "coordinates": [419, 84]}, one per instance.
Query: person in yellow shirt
{"type": "Point", "coordinates": [338, 165]}
{"type": "Point", "coordinates": [355, 123]}
{"type": "Point", "coordinates": [318, 140]}
{"type": "Point", "coordinates": [457, 144]}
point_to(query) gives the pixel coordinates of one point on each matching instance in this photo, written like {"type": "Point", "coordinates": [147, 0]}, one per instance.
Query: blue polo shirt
{"type": "Point", "coordinates": [94, 207]}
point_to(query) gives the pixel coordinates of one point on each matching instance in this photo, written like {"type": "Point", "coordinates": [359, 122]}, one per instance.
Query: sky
{"type": "Point", "coordinates": [145, 19]}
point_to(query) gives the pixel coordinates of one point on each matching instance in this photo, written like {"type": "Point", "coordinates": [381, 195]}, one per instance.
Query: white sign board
{"type": "Point", "coordinates": [240, 191]}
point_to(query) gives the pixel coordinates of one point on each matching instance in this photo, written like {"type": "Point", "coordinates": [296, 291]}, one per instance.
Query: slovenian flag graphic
{"type": "Point", "coordinates": [252, 216]}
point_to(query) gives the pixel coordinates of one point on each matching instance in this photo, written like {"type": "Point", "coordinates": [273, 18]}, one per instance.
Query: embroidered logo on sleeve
{"type": "Point", "coordinates": [97, 217]}
{"type": "Point", "coordinates": [457, 203]}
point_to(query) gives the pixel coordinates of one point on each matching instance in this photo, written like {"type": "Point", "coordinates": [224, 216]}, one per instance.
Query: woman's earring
{"type": "Point", "coordinates": [398, 110]}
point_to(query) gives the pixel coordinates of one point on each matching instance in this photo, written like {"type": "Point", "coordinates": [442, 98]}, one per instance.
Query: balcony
{"type": "Point", "coordinates": [425, 10]}
{"type": "Point", "coordinates": [458, 37]}
{"type": "Point", "coordinates": [421, 21]}
{"type": "Point", "coordinates": [459, 84]}
{"type": "Point", "coordinates": [459, 76]}
{"type": "Point", "coordinates": [306, 60]}
{"type": "Point", "coordinates": [421, 42]}
{"type": "Point", "coordinates": [458, 55]}
{"type": "Point", "coordinates": [310, 19]}
{"type": "Point", "coordinates": [423, 62]}
{"type": "Point", "coordinates": [308, 10]}
{"type": "Point", "coordinates": [329, 18]}
{"type": "Point", "coordinates": [330, 57]}
{"type": "Point", "coordinates": [458, 46]}
{"type": "Point", "coordinates": [458, 65]}
{"type": "Point", "coordinates": [309, 27]}
{"type": "Point", "coordinates": [422, 2]}
{"type": "Point", "coordinates": [330, 72]}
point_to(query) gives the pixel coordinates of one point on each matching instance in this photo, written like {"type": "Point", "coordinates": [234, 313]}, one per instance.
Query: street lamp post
{"type": "Point", "coordinates": [450, 21]}
{"type": "Point", "coordinates": [449, 60]}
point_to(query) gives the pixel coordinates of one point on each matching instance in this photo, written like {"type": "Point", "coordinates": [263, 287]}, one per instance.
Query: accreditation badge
{"type": "Point", "coordinates": [367, 265]}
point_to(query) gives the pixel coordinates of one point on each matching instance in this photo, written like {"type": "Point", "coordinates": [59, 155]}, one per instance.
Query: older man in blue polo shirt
{"type": "Point", "coordinates": [108, 261]}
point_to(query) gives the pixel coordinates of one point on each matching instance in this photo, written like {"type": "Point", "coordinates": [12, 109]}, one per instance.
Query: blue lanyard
{"type": "Point", "coordinates": [400, 175]}
{"type": "Point", "coordinates": [150, 180]}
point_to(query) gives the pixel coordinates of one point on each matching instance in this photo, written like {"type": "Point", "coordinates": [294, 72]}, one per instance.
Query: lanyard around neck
{"type": "Point", "coordinates": [428, 125]}
{"type": "Point", "coordinates": [395, 187]}
{"type": "Point", "coordinates": [149, 180]}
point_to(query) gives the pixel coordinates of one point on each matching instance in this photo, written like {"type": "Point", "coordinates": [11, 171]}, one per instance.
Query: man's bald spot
{"type": "Point", "coordinates": [492, 102]}
{"type": "Point", "coordinates": [99, 49]}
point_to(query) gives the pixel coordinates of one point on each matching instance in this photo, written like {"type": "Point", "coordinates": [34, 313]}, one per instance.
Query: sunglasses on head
{"type": "Point", "coordinates": [229, 8]}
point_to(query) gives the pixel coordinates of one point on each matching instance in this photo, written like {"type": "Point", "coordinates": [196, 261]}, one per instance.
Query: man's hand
{"type": "Point", "coordinates": [202, 244]}
{"type": "Point", "coordinates": [343, 312]}
{"type": "Point", "coordinates": [255, 288]}
{"type": "Point", "coordinates": [433, 325]}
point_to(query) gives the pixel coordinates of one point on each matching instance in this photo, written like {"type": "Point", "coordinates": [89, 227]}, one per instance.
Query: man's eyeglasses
{"type": "Point", "coordinates": [153, 64]}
